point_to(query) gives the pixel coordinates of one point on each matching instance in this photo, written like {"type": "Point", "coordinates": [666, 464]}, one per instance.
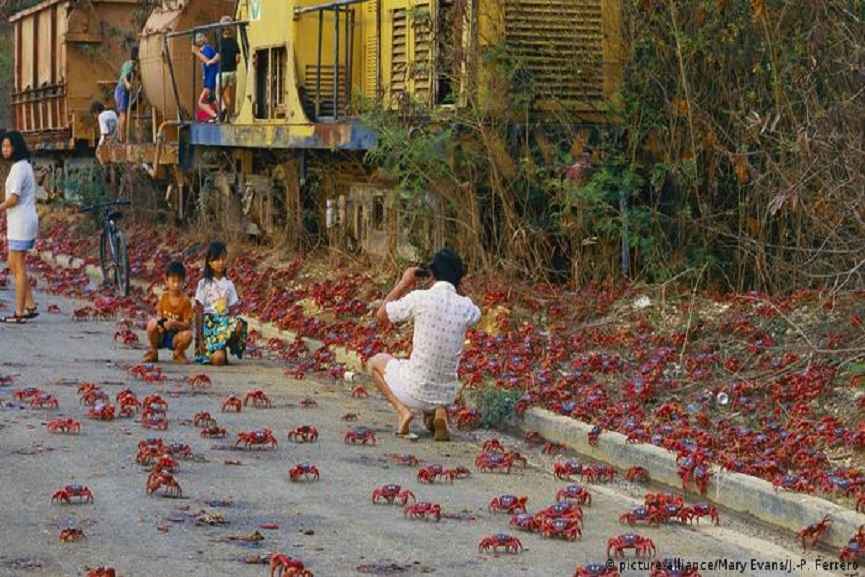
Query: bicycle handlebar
{"type": "Point", "coordinates": [96, 207]}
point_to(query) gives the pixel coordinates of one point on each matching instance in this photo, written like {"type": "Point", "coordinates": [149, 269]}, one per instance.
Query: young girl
{"type": "Point", "coordinates": [216, 303]}
{"type": "Point", "coordinates": [22, 222]}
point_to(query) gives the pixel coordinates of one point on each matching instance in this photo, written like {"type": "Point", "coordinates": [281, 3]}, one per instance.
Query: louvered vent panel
{"type": "Point", "coordinates": [422, 28]}
{"type": "Point", "coordinates": [371, 49]}
{"type": "Point", "coordinates": [399, 52]}
{"type": "Point", "coordinates": [326, 104]}
{"type": "Point", "coordinates": [560, 44]}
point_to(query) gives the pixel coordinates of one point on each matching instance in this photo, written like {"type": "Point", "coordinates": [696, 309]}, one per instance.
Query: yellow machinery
{"type": "Point", "coordinates": [309, 67]}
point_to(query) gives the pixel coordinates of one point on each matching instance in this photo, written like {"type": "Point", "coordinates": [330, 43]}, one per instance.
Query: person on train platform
{"type": "Point", "coordinates": [107, 120]}
{"type": "Point", "coordinates": [122, 92]}
{"type": "Point", "coordinates": [206, 53]}
{"type": "Point", "coordinates": [226, 80]}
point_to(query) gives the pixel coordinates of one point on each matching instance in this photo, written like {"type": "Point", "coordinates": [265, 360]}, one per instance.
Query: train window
{"type": "Point", "coordinates": [378, 212]}
{"type": "Point", "coordinates": [270, 66]}
{"type": "Point", "coordinates": [262, 73]}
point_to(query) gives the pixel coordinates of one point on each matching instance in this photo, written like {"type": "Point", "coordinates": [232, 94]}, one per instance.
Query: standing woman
{"type": "Point", "coordinates": [22, 222]}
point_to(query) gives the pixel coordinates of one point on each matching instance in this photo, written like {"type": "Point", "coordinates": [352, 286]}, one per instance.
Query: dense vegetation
{"type": "Point", "coordinates": [735, 148]}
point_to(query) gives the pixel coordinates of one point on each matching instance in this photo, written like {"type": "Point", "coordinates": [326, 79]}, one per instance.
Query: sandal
{"type": "Point", "coordinates": [31, 312]}
{"type": "Point", "coordinates": [14, 320]}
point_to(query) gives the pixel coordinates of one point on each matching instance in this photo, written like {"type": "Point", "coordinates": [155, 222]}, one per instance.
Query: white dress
{"type": "Point", "coordinates": [22, 222]}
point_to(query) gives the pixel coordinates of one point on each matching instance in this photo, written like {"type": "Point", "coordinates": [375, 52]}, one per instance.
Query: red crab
{"type": "Point", "coordinates": [70, 535]}
{"type": "Point", "coordinates": [101, 412]}
{"type": "Point", "coordinates": [308, 403]}
{"type": "Point", "coordinates": [564, 470]}
{"type": "Point", "coordinates": [492, 543]}
{"type": "Point", "coordinates": [285, 566]}
{"type": "Point", "coordinates": [423, 511]}
{"type": "Point", "coordinates": [44, 402]}
{"type": "Point", "coordinates": [525, 522]}
{"type": "Point", "coordinates": [645, 515]}
{"type": "Point", "coordinates": [126, 336]}
{"type": "Point", "coordinates": [593, 436]}
{"type": "Point", "coordinates": [598, 473]}
{"type": "Point", "coordinates": [393, 493]}
{"type": "Point", "coordinates": [154, 420]}
{"type": "Point", "coordinates": [154, 403]}
{"type": "Point", "coordinates": [64, 426]}
{"type": "Point", "coordinates": [360, 435]}
{"type": "Point", "coordinates": [812, 533]}
{"type": "Point", "coordinates": [701, 510]}
{"type": "Point", "coordinates": [489, 462]}
{"type": "Point", "coordinates": [304, 434]}
{"type": "Point", "coordinates": [508, 504]}
{"type": "Point", "coordinates": [259, 399]}
{"type": "Point", "coordinates": [28, 393]}
{"type": "Point", "coordinates": [466, 419]}
{"type": "Point", "coordinates": [213, 432]}
{"type": "Point", "coordinates": [640, 545]}
{"type": "Point", "coordinates": [67, 493]}
{"type": "Point", "coordinates": [54, 309]}
{"type": "Point", "coordinates": [260, 438]}
{"type": "Point", "coordinates": [148, 373]}
{"type": "Point", "coordinates": [198, 381]}
{"type": "Point", "coordinates": [203, 419]}
{"type": "Point", "coordinates": [533, 438]}
{"type": "Point", "coordinates": [551, 448]}
{"type": "Point", "coordinates": [564, 527]}
{"type": "Point", "coordinates": [92, 396]}
{"type": "Point", "coordinates": [637, 475]}
{"type": "Point", "coordinates": [561, 509]}
{"type": "Point", "coordinates": [430, 473]}
{"type": "Point", "coordinates": [164, 480]}
{"type": "Point", "coordinates": [359, 392]}
{"type": "Point", "coordinates": [349, 417]}
{"type": "Point", "coordinates": [304, 470]}
{"type": "Point", "coordinates": [855, 548]}
{"type": "Point", "coordinates": [493, 446]}
{"type": "Point", "coordinates": [232, 403]}
{"type": "Point", "coordinates": [102, 572]}
{"type": "Point", "coordinates": [179, 450]}
{"type": "Point", "coordinates": [576, 493]}
{"type": "Point", "coordinates": [164, 463]}
{"type": "Point", "coordinates": [597, 570]}
{"type": "Point", "coordinates": [406, 460]}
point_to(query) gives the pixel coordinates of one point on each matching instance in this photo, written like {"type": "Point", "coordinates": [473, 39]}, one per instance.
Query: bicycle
{"type": "Point", "coordinates": [113, 255]}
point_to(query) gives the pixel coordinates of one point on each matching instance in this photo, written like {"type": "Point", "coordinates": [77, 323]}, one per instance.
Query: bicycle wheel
{"type": "Point", "coordinates": [121, 261]}
{"type": "Point", "coordinates": [106, 259]}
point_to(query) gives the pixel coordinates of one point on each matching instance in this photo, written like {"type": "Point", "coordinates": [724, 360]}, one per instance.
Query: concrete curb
{"type": "Point", "coordinates": [734, 491]}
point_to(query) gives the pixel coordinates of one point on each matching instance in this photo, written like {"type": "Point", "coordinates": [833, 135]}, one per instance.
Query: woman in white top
{"type": "Point", "coordinates": [22, 222]}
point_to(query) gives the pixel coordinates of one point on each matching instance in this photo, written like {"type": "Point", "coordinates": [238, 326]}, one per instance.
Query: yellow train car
{"type": "Point", "coordinates": [309, 68]}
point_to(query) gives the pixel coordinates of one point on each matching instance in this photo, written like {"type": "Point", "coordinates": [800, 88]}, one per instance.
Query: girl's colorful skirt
{"type": "Point", "coordinates": [224, 331]}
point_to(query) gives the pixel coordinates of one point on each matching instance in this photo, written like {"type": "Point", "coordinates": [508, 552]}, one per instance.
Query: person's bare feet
{"type": "Point", "coordinates": [405, 419]}
{"type": "Point", "coordinates": [152, 356]}
{"type": "Point", "coordinates": [180, 357]}
{"type": "Point", "coordinates": [440, 423]}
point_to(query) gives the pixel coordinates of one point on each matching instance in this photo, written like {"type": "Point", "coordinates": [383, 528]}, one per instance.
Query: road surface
{"type": "Point", "coordinates": [330, 524]}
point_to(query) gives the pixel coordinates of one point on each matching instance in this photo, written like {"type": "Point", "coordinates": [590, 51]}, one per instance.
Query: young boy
{"type": "Point", "coordinates": [107, 120]}
{"type": "Point", "coordinates": [172, 327]}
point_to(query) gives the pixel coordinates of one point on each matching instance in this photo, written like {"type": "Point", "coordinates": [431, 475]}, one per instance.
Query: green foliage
{"type": "Point", "coordinates": [495, 405]}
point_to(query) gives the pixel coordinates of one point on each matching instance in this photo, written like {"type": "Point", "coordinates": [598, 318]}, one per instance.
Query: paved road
{"type": "Point", "coordinates": [329, 524]}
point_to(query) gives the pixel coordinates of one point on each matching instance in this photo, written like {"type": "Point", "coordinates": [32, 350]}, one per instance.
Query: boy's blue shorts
{"type": "Point", "coordinates": [167, 341]}
{"type": "Point", "coordinates": [121, 97]}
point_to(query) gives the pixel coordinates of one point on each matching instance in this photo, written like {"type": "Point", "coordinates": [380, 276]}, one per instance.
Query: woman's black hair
{"type": "Point", "coordinates": [446, 265]}
{"type": "Point", "coordinates": [96, 107]}
{"type": "Point", "coordinates": [19, 147]}
{"type": "Point", "coordinates": [215, 250]}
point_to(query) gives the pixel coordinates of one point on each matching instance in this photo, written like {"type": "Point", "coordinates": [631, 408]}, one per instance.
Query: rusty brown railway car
{"type": "Point", "coordinates": [66, 54]}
